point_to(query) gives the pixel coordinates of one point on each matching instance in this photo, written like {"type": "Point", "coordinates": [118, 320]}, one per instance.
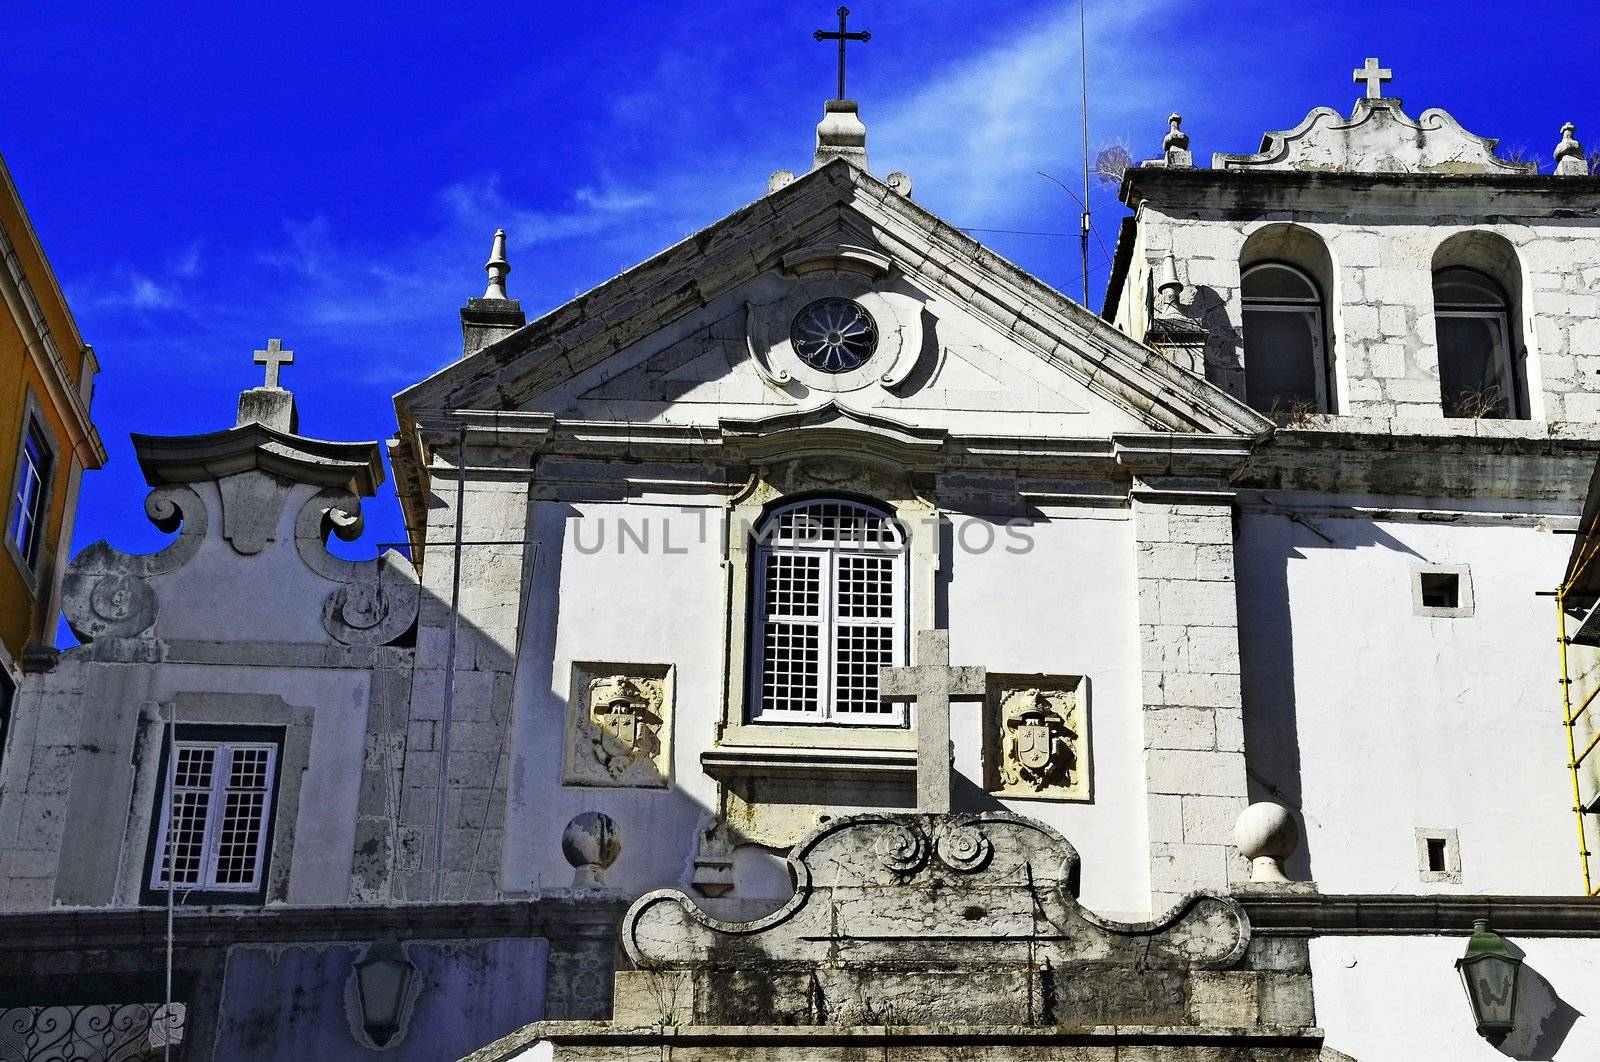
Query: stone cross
{"type": "Point", "coordinates": [1374, 75]}
{"type": "Point", "coordinates": [274, 357]}
{"type": "Point", "coordinates": [842, 36]}
{"type": "Point", "coordinates": [932, 683]}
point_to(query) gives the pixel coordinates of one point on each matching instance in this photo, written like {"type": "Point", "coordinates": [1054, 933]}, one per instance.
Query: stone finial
{"type": "Point", "coordinates": [1373, 76]}
{"type": "Point", "coordinates": [1570, 161]}
{"type": "Point", "coordinates": [498, 267]}
{"type": "Point", "coordinates": [591, 842]}
{"type": "Point", "coordinates": [899, 182]}
{"type": "Point", "coordinates": [1175, 145]}
{"type": "Point", "coordinates": [841, 135]}
{"type": "Point", "coordinates": [1168, 286]}
{"type": "Point", "coordinates": [271, 404]}
{"type": "Point", "coordinates": [780, 179]}
{"type": "Point", "coordinates": [1266, 834]}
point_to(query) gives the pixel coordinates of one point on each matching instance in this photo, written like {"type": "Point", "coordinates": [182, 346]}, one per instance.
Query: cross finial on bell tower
{"type": "Point", "coordinates": [1374, 76]}
{"type": "Point", "coordinates": [842, 36]}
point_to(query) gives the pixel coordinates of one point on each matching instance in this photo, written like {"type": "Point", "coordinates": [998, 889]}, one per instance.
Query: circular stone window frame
{"type": "Point", "coordinates": [897, 314]}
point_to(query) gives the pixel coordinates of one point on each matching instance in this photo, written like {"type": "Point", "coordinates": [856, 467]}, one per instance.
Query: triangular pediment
{"type": "Point", "coordinates": [965, 341]}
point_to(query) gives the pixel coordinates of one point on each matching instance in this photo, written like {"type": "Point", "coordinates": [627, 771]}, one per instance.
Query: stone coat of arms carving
{"type": "Point", "coordinates": [1038, 737]}
{"type": "Point", "coordinates": [619, 725]}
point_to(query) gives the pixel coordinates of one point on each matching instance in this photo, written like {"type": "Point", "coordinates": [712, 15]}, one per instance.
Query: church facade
{"type": "Point", "coordinates": [825, 638]}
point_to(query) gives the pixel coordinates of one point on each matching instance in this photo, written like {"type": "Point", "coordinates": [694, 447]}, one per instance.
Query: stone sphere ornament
{"type": "Point", "coordinates": [1266, 834]}
{"type": "Point", "coordinates": [591, 842]}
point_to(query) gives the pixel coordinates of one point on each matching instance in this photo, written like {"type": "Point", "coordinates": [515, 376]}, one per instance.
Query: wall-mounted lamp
{"type": "Point", "coordinates": [1489, 972]}
{"type": "Point", "coordinates": [383, 980]}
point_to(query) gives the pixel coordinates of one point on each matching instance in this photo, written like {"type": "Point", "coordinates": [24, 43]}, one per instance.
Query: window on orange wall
{"type": "Point", "coordinates": [830, 612]}
{"type": "Point", "coordinates": [1472, 319]}
{"type": "Point", "coordinates": [1285, 357]}
{"type": "Point", "coordinates": [31, 500]}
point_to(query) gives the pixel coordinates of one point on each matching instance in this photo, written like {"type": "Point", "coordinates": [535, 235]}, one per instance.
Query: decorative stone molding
{"type": "Point", "coordinates": [376, 601]}
{"type": "Point", "coordinates": [1038, 737]}
{"type": "Point", "coordinates": [619, 725]}
{"type": "Point", "coordinates": [106, 593]}
{"type": "Point", "coordinates": [911, 919]}
{"type": "Point", "coordinates": [1378, 137]}
{"type": "Point", "coordinates": [831, 270]}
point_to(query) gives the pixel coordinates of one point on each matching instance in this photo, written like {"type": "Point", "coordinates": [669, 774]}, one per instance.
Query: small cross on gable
{"type": "Point", "coordinates": [274, 358]}
{"type": "Point", "coordinates": [932, 683]}
{"type": "Point", "coordinates": [1374, 76]}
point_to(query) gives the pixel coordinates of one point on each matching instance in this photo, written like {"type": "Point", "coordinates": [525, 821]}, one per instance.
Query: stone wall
{"type": "Point", "coordinates": [1384, 247]}
{"type": "Point", "coordinates": [1193, 716]}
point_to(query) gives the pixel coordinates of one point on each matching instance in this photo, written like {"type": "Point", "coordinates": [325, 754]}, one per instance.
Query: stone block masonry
{"type": "Point", "coordinates": [1193, 714]}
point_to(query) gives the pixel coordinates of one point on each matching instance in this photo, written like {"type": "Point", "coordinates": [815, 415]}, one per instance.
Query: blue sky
{"type": "Point", "coordinates": [204, 177]}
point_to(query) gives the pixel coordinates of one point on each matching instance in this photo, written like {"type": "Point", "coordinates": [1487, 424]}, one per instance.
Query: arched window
{"type": "Point", "coordinates": [1285, 364]}
{"type": "Point", "coordinates": [830, 611]}
{"type": "Point", "coordinates": [1476, 374]}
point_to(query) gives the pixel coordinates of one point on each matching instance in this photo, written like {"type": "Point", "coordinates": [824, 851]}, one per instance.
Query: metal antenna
{"type": "Point", "coordinates": [1083, 80]}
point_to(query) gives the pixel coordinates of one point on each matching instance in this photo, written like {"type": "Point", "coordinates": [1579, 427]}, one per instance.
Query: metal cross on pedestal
{"type": "Point", "coordinates": [1374, 76]}
{"type": "Point", "coordinates": [273, 358]}
{"type": "Point", "coordinates": [932, 683]}
{"type": "Point", "coordinates": [842, 36]}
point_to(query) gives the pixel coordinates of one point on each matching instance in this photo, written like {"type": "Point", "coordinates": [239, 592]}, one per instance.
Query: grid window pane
{"type": "Point", "coordinates": [794, 584]}
{"type": "Point", "coordinates": [213, 828]}
{"type": "Point", "coordinates": [790, 674]}
{"type": "Point", "coordinates": [859, 652]}
{"type": "Point", "coordinates": [830, 611]}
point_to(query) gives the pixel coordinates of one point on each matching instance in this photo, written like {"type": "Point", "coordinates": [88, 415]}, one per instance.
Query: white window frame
{"type": "Point", "coordinates": [1285, 304]}
{"type": "Point", "coordinates": [826, 621]}
{"type": "Point", "coordinates": [221, 774]}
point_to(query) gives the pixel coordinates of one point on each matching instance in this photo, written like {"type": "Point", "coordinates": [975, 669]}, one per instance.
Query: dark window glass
{"type": "Point", "coordinates": [1472, 325]}
{"type": "Point", "coordinates": [1285, 371]}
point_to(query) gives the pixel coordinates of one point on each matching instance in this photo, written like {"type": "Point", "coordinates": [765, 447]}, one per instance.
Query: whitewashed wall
{"type": "Point", "coordinates": [1377, 721]}
{"type": "Point", "coordinates": [1066, 607]}
{"type": "Point", "coordinates": [1400, 998]}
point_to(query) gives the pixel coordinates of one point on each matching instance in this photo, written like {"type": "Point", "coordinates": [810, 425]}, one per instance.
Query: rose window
{"type": "Point", "coordinates": [834, 335]}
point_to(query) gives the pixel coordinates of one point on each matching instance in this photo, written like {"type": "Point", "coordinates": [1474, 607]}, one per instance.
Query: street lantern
{"type": "Point", "coordinates": [383, 977]}
{"type": "Point", "coordinates": [1489, 972]}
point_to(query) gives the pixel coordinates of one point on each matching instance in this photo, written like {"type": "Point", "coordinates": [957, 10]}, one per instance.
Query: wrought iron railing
{"type": "Point", "coordinates": [92, 1032]}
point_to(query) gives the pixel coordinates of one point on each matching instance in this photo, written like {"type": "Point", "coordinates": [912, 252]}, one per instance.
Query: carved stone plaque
{"type": "Point", "coordinates": [619, 725]}
{"type": "Point", "coordinates": [1036, 734]}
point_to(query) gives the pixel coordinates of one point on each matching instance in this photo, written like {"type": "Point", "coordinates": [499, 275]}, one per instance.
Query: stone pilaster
{"type": "Point", "coordinates": [1189, 659]}
{"type": "Point", "coordinates": [494, 508]}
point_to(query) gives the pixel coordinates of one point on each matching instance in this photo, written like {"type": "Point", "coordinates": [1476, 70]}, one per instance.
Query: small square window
{"type": "Point", "coordinates": [1441, 590]}
{"type": "Point", "coordinates": [1439, 856]}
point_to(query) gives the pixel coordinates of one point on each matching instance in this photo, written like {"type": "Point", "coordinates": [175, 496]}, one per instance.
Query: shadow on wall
{"type": "Point", "coordinates": [1543, 1018]}
{"type": "Point", "coordinates": [1267, 544]}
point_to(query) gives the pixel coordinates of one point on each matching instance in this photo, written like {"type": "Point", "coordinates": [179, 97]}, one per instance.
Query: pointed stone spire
{"type": "Point", "coordinates": [496, 315]}
{"type": "Point", "coordinates": [497, 267]}
{"type": "Point", "coordinates": [1175, 145]}
{"type": "Point", "coordinates": [841, 135]}
{"type": "Point", "coordinates": [1570, 161]}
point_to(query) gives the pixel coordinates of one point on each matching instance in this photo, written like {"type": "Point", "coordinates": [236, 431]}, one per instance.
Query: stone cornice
{"type": "Point", "coordinates": [556, 914]}
{"type": "Point", "coordinates": [1317, 915]}
{"type": "Point", "coordinates": [1522, 194]}
{"type": "Point", "coordinates": [354, 466]}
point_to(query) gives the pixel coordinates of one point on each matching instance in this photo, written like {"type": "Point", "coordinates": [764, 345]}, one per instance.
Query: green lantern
{"type": "Point", "coordinates": [383, 978]}
{"type": "Point", "coordinates": [1489, 973]}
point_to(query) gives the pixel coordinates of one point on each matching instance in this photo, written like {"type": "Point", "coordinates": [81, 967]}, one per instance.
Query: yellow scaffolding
{"type": "Point", "coordinates": [1587, 549]}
